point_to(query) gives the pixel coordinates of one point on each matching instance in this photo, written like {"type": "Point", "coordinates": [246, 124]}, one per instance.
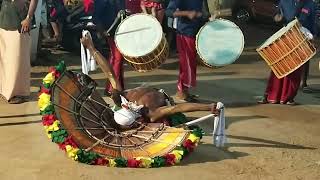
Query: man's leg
{"type": "Point", "coordinates": [166, 111]}
{"type": "Point", "coordinates": [188, 66]}
{"type": "Point", "coordinates": [116, 61]}
{"type": "Point", "coordinates": [305, 75]}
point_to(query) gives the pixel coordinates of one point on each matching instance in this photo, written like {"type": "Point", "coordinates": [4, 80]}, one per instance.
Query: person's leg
{"type": "Point", "coordinates": [143, 7]}
{"type": "Point", "coordinates": [188, 66]}
{"type": "Point", "coordinates": [305, 76]}
{"type": "Point", "coordinates": [291, 86]}
{"type": "Point", "coordinates": [154, 12]}
{"type": "Point", "coordinates": [166, 111]}
{"type": "Point", "coordinates": [160, 15]}
{"type": "Point", "coordinates": [273, 90]}
{"type": "Point", "coordinates": [116, 61]}
{"type": "Point", "coordinates": [56, 29]}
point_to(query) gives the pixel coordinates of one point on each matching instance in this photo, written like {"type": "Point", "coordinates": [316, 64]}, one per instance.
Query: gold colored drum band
{"type": "Point", "coordinates": [162, 45]}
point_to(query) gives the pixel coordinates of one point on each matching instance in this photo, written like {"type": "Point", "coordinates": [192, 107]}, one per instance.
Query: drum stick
{"type": "Point", "coordinates": [135, 30]}
{"type": "Point", "coordinates": [200, 119]}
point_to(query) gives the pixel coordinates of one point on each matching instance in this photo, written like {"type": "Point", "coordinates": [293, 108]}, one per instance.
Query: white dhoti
{"type": "Point", "coordinates": [15, 67]}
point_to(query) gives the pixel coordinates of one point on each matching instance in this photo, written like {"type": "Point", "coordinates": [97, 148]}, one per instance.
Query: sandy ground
{"type": "Point", "coordinates": [265, 141]}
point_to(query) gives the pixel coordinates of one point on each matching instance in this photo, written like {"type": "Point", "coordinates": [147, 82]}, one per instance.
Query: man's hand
{"type": "Point", "coordinates": [278, 18]}
{"type": "Point", "coordinates": [192, 15]}
{"type": "Point", "coordinates": [214, 110]}
{"type": "Point", "coordinates": [25, 25]}
{"type": "Point", "coordinates": [213, 17]}
{"type": "Point", "coordinates": [87, 42]}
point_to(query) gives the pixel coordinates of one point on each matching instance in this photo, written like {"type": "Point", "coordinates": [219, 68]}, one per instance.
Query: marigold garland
{"type": "Point", "coordinates": [65, 142]}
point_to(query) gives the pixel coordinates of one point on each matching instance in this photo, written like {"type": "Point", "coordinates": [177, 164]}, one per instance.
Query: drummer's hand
{"type": "Point", "coordinates": [192, 14]}
{"type": "Point", "coordinates": [212, 17]}
{"type": "Point", "coordinates": [214, 110]}
{"type": "Point", "coordinates": [87, 42]}
{"type": "Point", "coordinates": [25, 25]}
{"type": "Point", "coordinates": [278, 18]}
{"type": "Point", "coordinates": [199, 14]}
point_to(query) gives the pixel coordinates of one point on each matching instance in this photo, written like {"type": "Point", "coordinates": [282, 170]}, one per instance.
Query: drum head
{"type": "Point", "coordinates": [138, 35]}
{"type": "Point", "coordinates": [220, 42]}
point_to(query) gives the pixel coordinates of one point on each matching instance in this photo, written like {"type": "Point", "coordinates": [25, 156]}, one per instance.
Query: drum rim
{"type": "Point", "coordinates": [264, 45]}
{"type": "Point", "coordinates": [197, 46]}
{"type": "Point", "coordinates": [137, 14]}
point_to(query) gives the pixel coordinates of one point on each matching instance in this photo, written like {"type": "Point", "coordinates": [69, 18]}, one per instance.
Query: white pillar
{"type": "Point", "coordinates": [35, 32]}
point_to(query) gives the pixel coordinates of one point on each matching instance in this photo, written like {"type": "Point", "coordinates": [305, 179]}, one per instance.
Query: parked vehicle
{"type": "Point", "coordinates": [262, 10]}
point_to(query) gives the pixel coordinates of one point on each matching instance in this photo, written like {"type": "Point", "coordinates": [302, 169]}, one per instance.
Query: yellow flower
{"type": "Point", "coordinates": [72, 152]}
{"type": "Point", "coordinates": [194, 138]}
{"type": "Point", "coordinates": [178, 154]}
{"type": "Point", "coordinates": [49, 135]}
{"type": "Point", "coordinates": [49, 79]}
{"type": "Point", "coordinates": [53, 127]}
{"type": "Point", "coordinates": [44, 101]}
{"type": "Point", "coordinates": [112, 163]}
{"type": "Point", "coordinates": [145, 162]}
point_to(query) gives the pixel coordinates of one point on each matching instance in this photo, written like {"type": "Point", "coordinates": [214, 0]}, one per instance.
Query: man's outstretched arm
{"type": "Point", "coordinates": [104, 65]}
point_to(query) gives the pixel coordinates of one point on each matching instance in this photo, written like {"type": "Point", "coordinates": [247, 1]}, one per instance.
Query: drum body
{"type": "Point", "coordinates": [141, 41]}
{"type": "Point", "coordinates": [219, 43]}
{"type": "Point", "coordinates": [90, 121]}
{"type": "Point", "coordinates": [287, 50]}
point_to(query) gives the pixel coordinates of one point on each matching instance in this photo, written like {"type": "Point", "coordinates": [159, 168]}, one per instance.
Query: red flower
{"type": "Point", "coordinates": [133, 163]}
{"type": "Point", "coordinates": [170, 159]}
{"type": "Point", "coordinates": [189, 145]}
{"type": "Point", "coordinates": [54, 71]}
{"type": "Point", "coordinates": [44, 90]}
{"type": "Point", "coordinates": [68, 141]}
{"type": "Point", "coordinates": [48, 120]}
{"type": "Point", "coordinates": [101, 162]}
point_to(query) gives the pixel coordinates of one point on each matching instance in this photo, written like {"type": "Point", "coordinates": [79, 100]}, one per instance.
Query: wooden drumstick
{"type": "Point", "coordinates": [132, 31]}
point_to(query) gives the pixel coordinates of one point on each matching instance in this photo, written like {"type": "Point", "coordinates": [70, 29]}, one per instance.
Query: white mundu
{"type": "Point", "coordinates": [141, 41]}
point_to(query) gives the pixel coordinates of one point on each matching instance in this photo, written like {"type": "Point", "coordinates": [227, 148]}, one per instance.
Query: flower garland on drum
{"type": "Point", "coordinates": [58, 135]}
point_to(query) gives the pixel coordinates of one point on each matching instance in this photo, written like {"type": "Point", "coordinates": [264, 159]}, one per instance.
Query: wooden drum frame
{"type": "Point", "coordinates": [286, 52]}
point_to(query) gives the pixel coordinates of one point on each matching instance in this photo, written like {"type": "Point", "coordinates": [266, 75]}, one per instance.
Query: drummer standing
{"type": "Point", "coordinates": [306, 14]}
{"type": "Point", "coordinates": [284, 90]}
{"type": "Point", "coordinates": [191, 16]}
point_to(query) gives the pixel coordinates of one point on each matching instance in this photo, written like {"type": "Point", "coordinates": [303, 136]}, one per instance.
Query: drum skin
{"type": "Point", "coordinates": [219, 43]}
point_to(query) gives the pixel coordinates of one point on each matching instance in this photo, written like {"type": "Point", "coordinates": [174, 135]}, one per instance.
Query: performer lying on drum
{"type": "Point", "coordinates": [151, 104]}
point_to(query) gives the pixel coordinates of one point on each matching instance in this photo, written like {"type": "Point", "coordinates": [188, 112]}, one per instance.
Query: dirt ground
{"type": "Point", "coordinates": [264, 141]}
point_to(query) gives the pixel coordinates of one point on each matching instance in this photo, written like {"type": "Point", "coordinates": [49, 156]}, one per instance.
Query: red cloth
{"type": "Point", "coordinates": [133, 6]}
{"type": "Point", "coordinates": [284, 89]}
{"type": "Point", "coordinates": [186, 47]}
{"type": "Point", "coordinates": [53, 12]}
{"type": "Point", "coordinates": [150, 4]}
{"type": "Point", "coordinates": [116, 61]}
{"type": "Point", "coordinates": [88, 6]}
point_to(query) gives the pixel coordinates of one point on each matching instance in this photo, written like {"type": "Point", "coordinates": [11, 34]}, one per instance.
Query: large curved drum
{"type": "Point", "coordinates": [219, 43]}
{"type": "Point", "coordinates": [90, 121]}
{"type": "Point", "coordinates": [141, 41]}
{"type": "Point", "coordinates": [288, 49]}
